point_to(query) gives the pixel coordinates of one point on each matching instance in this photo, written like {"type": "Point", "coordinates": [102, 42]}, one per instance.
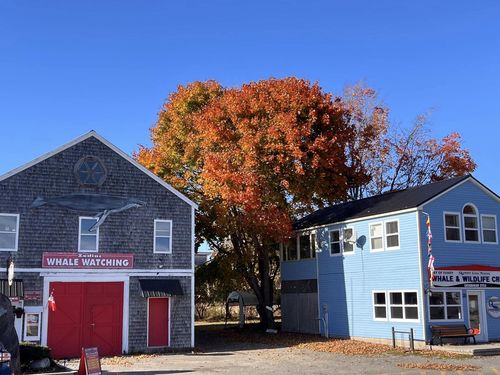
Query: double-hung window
{"type": "Point", "coordinates": [163, 237]}
{"type": "Point", "coordinates": [307, 245]}
{"type": "Point", "coordinates": [335, 243]}
{"type": "Point", "coordinates": [376, 237]}
{"type": "Point", "coordinates": [403, 305]}
{"type": "Point", "coordinates": [348, 240]}
{"type": "Point", "coordinates": [88, 236]}
{"type": "Point", "coordinates": [9, 232]}
{"type": "Point", "coordinates": [445, 305]}
{"type": "Point", "coordinates": [392, 234]}
{"type": "Point", "coordinates": [489, 228]}
{"type": "Point", "coordinates": [452, 227]}
{"type": "Point", "coordinates": [32, 323]}
{"type": "Point", "coordinates": [379, 306]}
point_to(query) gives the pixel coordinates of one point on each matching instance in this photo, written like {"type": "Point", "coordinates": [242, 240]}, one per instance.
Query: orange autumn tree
{"type": "Point", "coordinates": [254, 158]}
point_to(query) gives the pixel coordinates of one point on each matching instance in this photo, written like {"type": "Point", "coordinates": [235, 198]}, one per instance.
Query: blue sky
{"type": "Point", "coordinates": [67, 67]}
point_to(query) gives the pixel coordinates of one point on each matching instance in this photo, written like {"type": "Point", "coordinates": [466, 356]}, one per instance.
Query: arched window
{"type": "Point", "coordinates": [471, 223]}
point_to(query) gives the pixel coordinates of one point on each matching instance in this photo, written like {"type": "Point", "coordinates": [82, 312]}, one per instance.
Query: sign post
{"type": "Point", "coordinates": [90, 363]}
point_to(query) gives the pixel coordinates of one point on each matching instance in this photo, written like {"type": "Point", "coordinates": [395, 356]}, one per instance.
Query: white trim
{"type": "Point", "coordinates": [482, 229]}
{"type": "Point", "coordinates": [193, 224]}
{"type": "Point", "coordinates": [169, 301]}
{"type": "Point", "coordinates": [80, 234]}
{"type": "Point", "coordinates": [420, 270]}
{"type": "Point", "coordinates": [124, 272]}
{"type": "Point", "coordinates": [170, 237]}
{"type": "Point", "coordinates": [35, 310]}
{"type": "Point", "coordinates": [403, 305]}
{"type": "Point", "coordinates": [478, 229]}
{"type": "Point", "coordinates": [378, 250]}
{"type": "Point", "coordinates": [127, 157]}
{"type": "Point", "coordinates": [17, 216]}
{"type": "Point", "coordinates": [84, 279]}
{"type": "Point", "coordinates": [387, 247]}
{"type": "Point", "coordinates": [363, 218]}
{"type": "Point", "coordinates": [378, 305]}
{"type": "Point", "coordinates": [459, 226]}
{"type": "Point", "coordinates": [444, 291]}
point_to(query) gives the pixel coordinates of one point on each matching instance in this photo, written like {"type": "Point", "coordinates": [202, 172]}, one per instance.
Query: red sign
{"type": "Point", "coordinates": [90, 364]}
{"type": "Point", "coordinates": [32, 295]}
{"type": "Point", "coordinates": [87, 261]}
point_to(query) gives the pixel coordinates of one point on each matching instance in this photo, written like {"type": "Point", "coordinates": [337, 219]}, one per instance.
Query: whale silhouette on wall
{"type": "Point", "coordinates": [100, 205]}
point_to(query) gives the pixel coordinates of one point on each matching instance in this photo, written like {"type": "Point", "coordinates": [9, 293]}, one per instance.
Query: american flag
{"type": "Point", "coordinates": [430, 265]}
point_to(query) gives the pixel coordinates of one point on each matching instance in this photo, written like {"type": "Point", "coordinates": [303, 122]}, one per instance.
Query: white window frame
{"type": "Point", "coordinates": [372, 250]}
{"type": "Point", "coordinates": [387, 247]}
{"type": "Point", "coordinates": [445, 305]}
{"type": "Point", "coordinates": [378, 305]}
{"type": "Point", "coordinates": [403, 305]}
{"type": "Point", "coordinates": [478, 223]}
{"type": "Point", "coordinates": [339, 242]}
{"type": "Point", "coordinates": [80, 234]}
{"type": "Point", "coordinates": [35, 310]}
{"type": "Point", "coordinates": [171, 236]}
{"type": "Point", "coordinates": [459, 226]}
{"type": "Point", "coordinates": [496, 229]}
{"type": "Point", "coordinates": [17, 231]}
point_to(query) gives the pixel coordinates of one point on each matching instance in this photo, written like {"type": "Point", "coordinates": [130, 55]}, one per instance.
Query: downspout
{"type": "Point", "coordinates": [320, 317]}
{"type": "Point", "coordinates": [420, 267]}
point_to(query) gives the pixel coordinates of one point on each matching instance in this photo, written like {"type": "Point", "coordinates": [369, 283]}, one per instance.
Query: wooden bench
{"type": "Point", "coordinates": [451, 331]}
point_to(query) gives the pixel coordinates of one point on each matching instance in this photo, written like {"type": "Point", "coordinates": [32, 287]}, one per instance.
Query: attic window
{"type": "Point", "coordinates": [89, 171]}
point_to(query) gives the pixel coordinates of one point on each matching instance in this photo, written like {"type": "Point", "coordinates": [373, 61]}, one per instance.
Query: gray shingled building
{"type": "Point", "coordinates": [102, 250]}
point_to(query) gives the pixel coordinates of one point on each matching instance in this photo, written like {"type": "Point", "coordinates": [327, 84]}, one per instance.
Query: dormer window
{"type": "Point", "coordinates": [471, 223]}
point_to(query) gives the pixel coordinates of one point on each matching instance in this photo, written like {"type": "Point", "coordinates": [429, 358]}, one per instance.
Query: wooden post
{"type": "Point", "coordinates": [393, 338]}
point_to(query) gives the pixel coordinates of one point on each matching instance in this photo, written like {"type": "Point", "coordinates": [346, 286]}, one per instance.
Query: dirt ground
{"type": "Point", "coordinates": [223, 350]}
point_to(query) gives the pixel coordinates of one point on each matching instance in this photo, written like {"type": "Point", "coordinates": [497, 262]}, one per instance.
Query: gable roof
{"type": "Point", "coordinates": [123, 154]}
{"type": "Point", "coordinates": [383, 203]}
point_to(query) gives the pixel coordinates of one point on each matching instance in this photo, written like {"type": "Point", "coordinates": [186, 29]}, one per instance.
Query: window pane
{"type": "Point", "coordinates": [454, 312]}
{"type": "Point", "coordinates": [393, 241]}
{"type": "Point", "coordinates": [436, 298]}
{"type": "Point", "coordinates": [335, 248]}
{"type": "Point", "coordinates": [7, 240]}
{"type": "Point", "coordinates": [451, 220]}
{"type": "Point", "coordinates": [32, 330]}
{"type": "Point", "coordinates": [471, 235]}
{"type": "Point", "coordinates": [437, 313]}
{"type": "Point", "coordinates": [488, 222]}
{"type": "Point", "coordinates": [8, 223]}
{"type": "Point", "coordinates": [86, 224]}
{"type": "Point", "coordinates": [396, 312]}
{"type": "Point", "coordinates": [313, 243]}
{"type": "Point", "coordinates": [470, 222]}
{"type": "Point", "coordinates": [348, 247]}
{"type": "Point", "coordinates": [334, 236]}
{"type": "Point", "coordinates": [411, 298]}
{"type": "Point", "coordinates": [469, 210]}
{"type": "Point", "coordinates": [396, 299]}
{"type": "Point", "coordinates": [411, 313]}
{"type": "Point", "coordinates": [163, 244]}
{"type": "Point", "coordinates": [292, 249]}
{"type": "Point", "coordinates": [379, 298]}
{"type": "Point", "coordinates": [489, 236]}
{"type": "Point", "coordinates": [163, 228]}
{"type": "Point", "coordinates": [88, 243]}
{"type": "Point", "coordinates": [305, 247]}
{"type": "Point", "coordinates": [453, 298]}
{"type": "Point", "coordinates": [391, 227]}
{"type": "Point", "coordinates": [376, 230]}
{"type": "Point", "coordinates": [452, 234]}
{"type": "Point", "coordinates": [376, 243]}
{"type": "Point", "coordinates": [380, 312]}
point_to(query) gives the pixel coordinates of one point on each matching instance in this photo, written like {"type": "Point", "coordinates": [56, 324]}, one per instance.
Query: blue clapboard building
{"type": "Point", "coordinates": [358, 269]}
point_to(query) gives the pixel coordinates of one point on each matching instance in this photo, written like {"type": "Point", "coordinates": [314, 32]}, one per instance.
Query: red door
{"type": "Point", "coordinates": [158, 322]}
{"type": "Point", "coordinates": [87, 315]}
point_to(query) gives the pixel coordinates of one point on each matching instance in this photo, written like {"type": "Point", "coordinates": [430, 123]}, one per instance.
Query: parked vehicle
{"type": "Point", "coordinates": [4, 362]}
